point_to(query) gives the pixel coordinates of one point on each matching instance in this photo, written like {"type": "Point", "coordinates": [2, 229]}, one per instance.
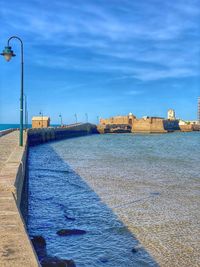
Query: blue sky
{"type": "Point", "coordinates": [101, 57]}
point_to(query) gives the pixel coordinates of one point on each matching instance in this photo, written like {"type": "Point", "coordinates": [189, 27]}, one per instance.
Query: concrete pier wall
{"type": "Point", "coordinates": [42, 135]}
{"type": "Point", "coordinates": [15, 246]}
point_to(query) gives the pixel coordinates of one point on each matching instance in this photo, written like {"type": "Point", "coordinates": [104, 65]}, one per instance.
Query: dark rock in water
{"type": "Point", "coordinates": [38, 241]}
{"type": "Point", "coordinates": [56, 262]}
{"type": "Point", "coordinates": [103, 260]}
{"type": "Point", "coordinates": [69, 218]}
{"type": "Point", "coordinates": [134, 250]}
{"type": "Point", "coordinates": [70, 263]}
{"type": "Point", "coordinates": [64, 232]}
{"type": "Point", "coordinates": [39, 245]}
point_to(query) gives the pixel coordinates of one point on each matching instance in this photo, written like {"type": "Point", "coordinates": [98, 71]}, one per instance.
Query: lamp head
{"type": "Point", "coordinates": [8, 53]}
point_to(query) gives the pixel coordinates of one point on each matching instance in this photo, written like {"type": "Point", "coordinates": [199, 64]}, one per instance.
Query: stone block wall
{"type": "Point", "coordinates": [186, 128]}
{"type": "Point", "coordinates": [118, 120]}
{"type": "Point", "coordinates": [149, 125]}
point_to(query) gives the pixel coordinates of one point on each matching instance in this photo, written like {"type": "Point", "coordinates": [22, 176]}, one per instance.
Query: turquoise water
{"type": "Point", "coordinates": [126, 191]}
{"type": "Point", "coordinates": [10, 126]}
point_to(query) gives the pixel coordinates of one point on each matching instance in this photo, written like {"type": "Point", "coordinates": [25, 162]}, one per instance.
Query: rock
{"type": "Point", "coordinates": [56, 262]}
{"type": "Point", "coordinates": [70, 263]}
{"type": "Point", "coordinates": [69, 218]}
{"type": "Point", "coordinates": [39, 245]}
{"type": "Point", "coordinates": [65, 232]}
{"type": "Point", "coordinates": [134, 250]}
{"type": "Point", "coordinates": [103, 260]}
{"type": "Point", "coordinates": [38, 241]}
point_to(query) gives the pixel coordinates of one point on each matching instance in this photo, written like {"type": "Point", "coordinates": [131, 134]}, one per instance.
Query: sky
{"type": "Point", "coordinates": [101, 58]}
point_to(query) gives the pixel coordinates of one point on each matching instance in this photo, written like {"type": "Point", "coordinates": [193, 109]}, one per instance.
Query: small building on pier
{"type": "Point", "coordinates": [40, 122]}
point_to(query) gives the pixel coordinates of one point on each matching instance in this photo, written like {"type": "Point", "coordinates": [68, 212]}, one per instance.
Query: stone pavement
{"type": "Point", "coordinates": [15, 247]}
{"type": "Point", "coordinates": [8, 144]}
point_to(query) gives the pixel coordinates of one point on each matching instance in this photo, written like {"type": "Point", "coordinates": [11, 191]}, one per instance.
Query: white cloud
{"type": "Point", "coordinates": [148, 40]}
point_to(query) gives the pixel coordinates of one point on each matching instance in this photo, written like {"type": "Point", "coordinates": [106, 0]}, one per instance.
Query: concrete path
{"type": "Point", "coordinates": [8, 144]}
{"type": "Point", "coordinates": [15, 247]}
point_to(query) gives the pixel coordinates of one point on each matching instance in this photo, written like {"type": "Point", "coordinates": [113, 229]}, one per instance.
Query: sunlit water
{"type": "Point", "coordinates": [127, 191]}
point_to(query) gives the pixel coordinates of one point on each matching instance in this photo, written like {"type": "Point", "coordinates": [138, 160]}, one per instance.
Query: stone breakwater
{"type": "Point", "coordinates": [15, 246]}
{"type": "Point", "coordinates": [43, 135]}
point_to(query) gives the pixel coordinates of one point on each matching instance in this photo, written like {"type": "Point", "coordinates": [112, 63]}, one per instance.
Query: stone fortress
{"type": "Point", "coordinates": [145, 124]}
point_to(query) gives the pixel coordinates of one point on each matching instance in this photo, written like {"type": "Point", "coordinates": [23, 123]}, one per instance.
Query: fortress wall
{"type": "Point", "coordinates": [101, 128]}
{"type": "Point", "coordinates": [118, 120]}
{"type": "Point", "coordinates": [171, 125]}
{"type": "Point", "coordinates": [151, 125]}
{"type": "Point", "coordinates": [186, 128]}
{"type": "Point", "coordinates": [115, 120]}
{"type": "Point", "coordinates": [196, 127]}
{"type": "Point", "coordinates": [157, 126]}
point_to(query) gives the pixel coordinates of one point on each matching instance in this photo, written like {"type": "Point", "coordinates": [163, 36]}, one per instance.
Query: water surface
{"type": "Point", "coordinates": [127, 191]}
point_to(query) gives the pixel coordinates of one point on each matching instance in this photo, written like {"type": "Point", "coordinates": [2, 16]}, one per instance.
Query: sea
{"type": "Point", "coordinates": [16, 126]}
{"type": "Point", "coordinates": [10, 126]}
{"type": "Point", "coordinates": [136, 196]}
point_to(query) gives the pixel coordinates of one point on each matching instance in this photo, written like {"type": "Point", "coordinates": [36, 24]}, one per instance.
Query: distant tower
{"type": "Point", "coordinates": [198, 110]}
{"type": "Point", "coordinates": [171, 114]}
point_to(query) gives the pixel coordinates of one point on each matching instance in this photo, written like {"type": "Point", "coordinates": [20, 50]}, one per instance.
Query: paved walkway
{"type": "Point", "coordinates": [8, 144]}
{"type": "Point", "coordinates": [15, 246]}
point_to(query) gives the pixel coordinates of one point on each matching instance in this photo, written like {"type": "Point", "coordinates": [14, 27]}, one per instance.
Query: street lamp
{"type": "Point", "coordinates": [8, 54]}
{"type": "Point", "coordinates": [60, 120]}
{"type": "Point", "coordinates": [26, 112]}
{"type": "Point", "coordinates": [86, 117]}
{"type": "Point", "coordinates": [75, 115]}
{"type": "Point", "coordinates": [41, 114]}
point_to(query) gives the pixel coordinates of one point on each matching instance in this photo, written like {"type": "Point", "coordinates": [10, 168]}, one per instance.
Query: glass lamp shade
{"type": "Point", "coordinates": [7, 57]}
{"type": "Point", "coordinates": [8, 53]}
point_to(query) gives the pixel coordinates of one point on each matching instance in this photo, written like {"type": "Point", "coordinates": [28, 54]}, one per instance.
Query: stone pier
{"type": "Point", "coordinates": [15, 247]}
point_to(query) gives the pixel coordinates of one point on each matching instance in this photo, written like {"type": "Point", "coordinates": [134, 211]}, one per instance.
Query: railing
{"type": "Point", "coordinates": [7, 131]}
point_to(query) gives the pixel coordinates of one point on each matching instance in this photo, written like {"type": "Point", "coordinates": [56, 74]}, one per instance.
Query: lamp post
{"type": "Point", "coordinates": [86, 117]}
{"type": "Point", "coordinates": [8, 54]}
{"type": "Point", "coordinates": [75, 115]}
{"type": "Point", "coordinates": [26, 112]}
{"type": "Point", "coordinates": [97, 119]}
{"type": "Point", "coordinates": [60, 120]}
{"type": "Point", "coordinates": [41, 114]}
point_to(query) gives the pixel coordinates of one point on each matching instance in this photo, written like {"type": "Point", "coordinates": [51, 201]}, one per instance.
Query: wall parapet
{"type": "Point", "coordinates": [7, 131]}
{"type": "Point", "coordinates": [42, 135]}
